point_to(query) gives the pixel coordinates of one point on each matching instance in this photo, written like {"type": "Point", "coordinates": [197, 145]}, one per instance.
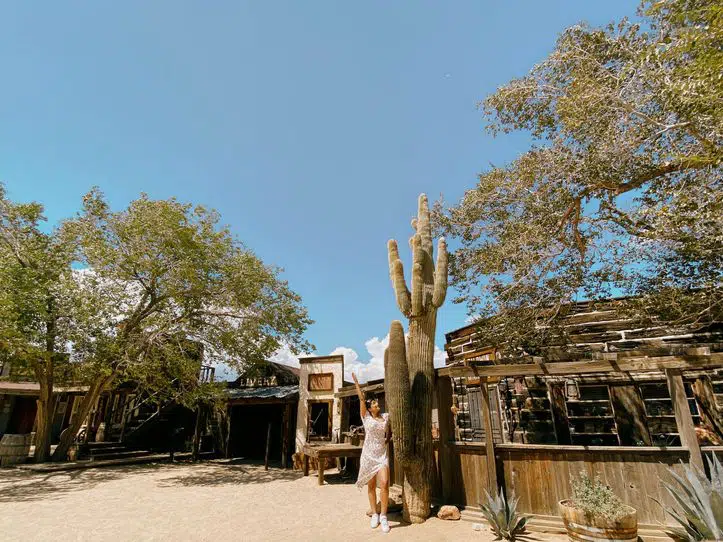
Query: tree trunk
{"type": "Point", "coordinates": [44, 414]}
{"type": "Point", "coordinates": [46, 407]}
{"type": "Point", "coordinates": [66, 440]}
{"type": "Point", "coordinates": [703, 391]}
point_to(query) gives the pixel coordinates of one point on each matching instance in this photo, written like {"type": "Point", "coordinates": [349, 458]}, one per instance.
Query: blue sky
{"type": "Point", "coordinates": [311, 126]}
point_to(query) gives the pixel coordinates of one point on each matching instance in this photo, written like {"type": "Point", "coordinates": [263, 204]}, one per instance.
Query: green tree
{"type": "Point", "coordinates": [38, 300]}
{"type": "Point", "coordinates": [621, 191]}
{"type": "Point", "coordinates": [154, 277]}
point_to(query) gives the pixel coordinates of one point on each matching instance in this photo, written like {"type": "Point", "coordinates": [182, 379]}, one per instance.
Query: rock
{"type": "Point", "coordinates": [449, 512]}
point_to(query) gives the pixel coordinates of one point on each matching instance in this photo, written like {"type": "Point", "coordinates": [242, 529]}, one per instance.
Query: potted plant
{"type": "Point", "coordinates": [595, 513]}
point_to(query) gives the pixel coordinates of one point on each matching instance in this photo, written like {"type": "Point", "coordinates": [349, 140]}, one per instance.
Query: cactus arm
{"type": "Point", "coordinates": [396, 272]}
{"type": "Point", "coordinates": [417, 277]}
{"type": "Point", "coordinates": [398, 393]}
{"type": "Point", "coordinates": [440, 274]}
{"type": "Point", "coordinates": [424, 224]}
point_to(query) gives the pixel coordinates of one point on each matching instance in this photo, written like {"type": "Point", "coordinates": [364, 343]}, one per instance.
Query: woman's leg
{"type": "Point", "coordinates": [384, 492]}
{"type": "Point", "coordinates": [384, 489]}
{"type": "Point", "coordinates": [372, 492]}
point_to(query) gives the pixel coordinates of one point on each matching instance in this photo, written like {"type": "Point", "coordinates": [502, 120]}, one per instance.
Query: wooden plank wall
{"type": "Point", "coordinates": [598, 327]}
{"type": "Point", "coordinates": [541, 475]}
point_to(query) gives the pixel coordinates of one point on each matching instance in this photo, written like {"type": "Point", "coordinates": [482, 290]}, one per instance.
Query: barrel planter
{"type": "Point", "coordinates": [14, 449]}
{"type": "Point", "coordinates": [585, 527]}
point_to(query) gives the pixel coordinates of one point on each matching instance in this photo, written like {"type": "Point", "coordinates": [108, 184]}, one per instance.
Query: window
{"type": "Point", "coordinates": [321, 382]}
{"type": "Point", "coordinates": [320, 420]}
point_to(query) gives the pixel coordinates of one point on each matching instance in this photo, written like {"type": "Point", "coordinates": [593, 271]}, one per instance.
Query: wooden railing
{"type": "Point", "coordinates": [207, 374]}
{"type": "Point", "coordinates": [135, 404]}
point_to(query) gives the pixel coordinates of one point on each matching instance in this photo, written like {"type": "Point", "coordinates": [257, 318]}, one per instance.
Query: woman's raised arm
{"type": "Point", "coordinates": [362, 404]}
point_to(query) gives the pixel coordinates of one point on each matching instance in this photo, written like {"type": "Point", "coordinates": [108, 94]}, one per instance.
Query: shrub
{"type": "Point", "coordinates": [502, 516]}
{"type": "Point", "coordinates": [701, 501]}
{"type": "Point", "coordinates": [595, 498]}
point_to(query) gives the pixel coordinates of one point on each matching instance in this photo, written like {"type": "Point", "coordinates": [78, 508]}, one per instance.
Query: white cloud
{"type": "Point", "coordinates": [224, 372]}
{"type": "Point", "coordinates": [285, 356]}
{"type": "Point", "coordinates": [373, 368]}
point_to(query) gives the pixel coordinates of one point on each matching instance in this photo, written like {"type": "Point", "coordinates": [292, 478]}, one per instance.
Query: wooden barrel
{"type": "Point", "coordinates": [14, 449]}
{"type": "Point", "coordinates": [584, 527]}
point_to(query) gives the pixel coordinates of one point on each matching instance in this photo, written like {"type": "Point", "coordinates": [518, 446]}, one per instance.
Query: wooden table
{"type": "Point", "coordinates": [324, 451]}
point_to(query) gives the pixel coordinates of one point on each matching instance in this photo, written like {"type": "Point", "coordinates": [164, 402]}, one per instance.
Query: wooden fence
{"type": "Point", "coordinates": [541, 474]}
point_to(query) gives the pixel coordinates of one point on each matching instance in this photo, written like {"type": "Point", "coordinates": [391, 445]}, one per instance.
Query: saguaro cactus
{"type": "Point", "coordinates": [409, 369]}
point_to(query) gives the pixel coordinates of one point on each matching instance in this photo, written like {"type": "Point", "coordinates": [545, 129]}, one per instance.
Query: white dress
{"type": "Point", "coordinates": [374, 452]}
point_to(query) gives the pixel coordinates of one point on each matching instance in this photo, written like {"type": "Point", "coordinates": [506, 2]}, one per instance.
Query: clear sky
{"type": "Point", "coordinates": [311, 126]}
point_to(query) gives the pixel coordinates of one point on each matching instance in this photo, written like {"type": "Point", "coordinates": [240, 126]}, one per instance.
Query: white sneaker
{"type": "Point", "coordinates": [385, 524]}
{"type": "Point", "coordinates": [375, 521]}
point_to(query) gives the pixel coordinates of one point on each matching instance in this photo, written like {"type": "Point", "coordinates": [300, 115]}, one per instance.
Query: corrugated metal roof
{"type": "Point", "coordinates": [271, 392]}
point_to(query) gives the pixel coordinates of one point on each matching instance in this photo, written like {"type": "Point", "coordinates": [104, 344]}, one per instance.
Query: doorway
{"type": "Point", "coordinates": [22, 417]}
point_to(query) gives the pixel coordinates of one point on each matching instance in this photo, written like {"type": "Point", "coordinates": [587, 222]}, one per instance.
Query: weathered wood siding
{"type": "Point", "coordinates": [596, 327]}
{"type": "Point", "coordinates": [541, 475]}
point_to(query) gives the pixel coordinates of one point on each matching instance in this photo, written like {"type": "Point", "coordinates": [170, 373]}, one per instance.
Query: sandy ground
{"type": "Point", "coordinates": [213, 501]}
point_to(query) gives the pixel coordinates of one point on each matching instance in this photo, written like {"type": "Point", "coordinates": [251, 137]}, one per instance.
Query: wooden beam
{"type": "Point", "coordinates": [683, 419]}
{"type": "Point", "coordinates": [285, 436]}
{"type": "Point", "coordinates": [268, 444]}
{"type": "Point", "coordinates": [489, 438]}
{"type": "Point", "coordinates": [681, 362]}
{"type": "Point", "coordinates": [350, 391]}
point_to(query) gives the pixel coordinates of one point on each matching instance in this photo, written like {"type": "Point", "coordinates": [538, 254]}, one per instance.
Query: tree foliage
{"type": "Point", "coordinates": [621, 191]}
{"type": "Point", "coordinates": [163, 270]}
{"type": "Point", "coordinates": [139, 294]}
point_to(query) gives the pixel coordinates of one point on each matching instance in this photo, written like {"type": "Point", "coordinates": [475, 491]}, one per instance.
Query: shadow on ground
{"type": "Point", "coordinates": [223, 472]}
{"type": "Point", "coordinates": [336, 478]}
{"type": "Point", "coordinates": [22, 485]}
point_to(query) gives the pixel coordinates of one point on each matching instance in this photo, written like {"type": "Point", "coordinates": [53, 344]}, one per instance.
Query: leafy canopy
{"type": "Point", "coordinates": [140, 293]}
{"type": "Point", "coordinates": [164, 272]}
{"type": "Point", "coordinates": [621, 191]}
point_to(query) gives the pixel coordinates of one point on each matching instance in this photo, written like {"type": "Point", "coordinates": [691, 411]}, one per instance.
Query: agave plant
{"type": "Point", "coordinates": [503, 517]}
{"type": "Point", "coordinates": [701, 501]}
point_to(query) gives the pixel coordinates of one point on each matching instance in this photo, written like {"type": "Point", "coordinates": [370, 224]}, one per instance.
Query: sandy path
{"type": "Point", "coordinates": [211, 501]}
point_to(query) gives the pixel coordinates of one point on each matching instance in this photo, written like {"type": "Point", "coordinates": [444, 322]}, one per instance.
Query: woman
{"type": "Point", "coordinates": [374, 464]}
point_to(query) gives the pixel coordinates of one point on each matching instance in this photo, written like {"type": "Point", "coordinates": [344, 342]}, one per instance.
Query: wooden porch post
{"type": "Point", "coordinates": [268, 443]}
{"type": "Point", "coordinates": [683, 419]}
{"type": "Point", "coordinates": [227, 444]}
{"type": "Point", "coordinates": [285, 435]}
{"type": "Point", "coordinates": [489, 437]}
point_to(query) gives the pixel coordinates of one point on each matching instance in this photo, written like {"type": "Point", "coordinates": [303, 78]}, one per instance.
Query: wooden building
{"type": "Point", "coordinates": [616, 400]}
{"type": "Point", "coordinates": [262, 406]}
{"type": "Point", "coordinates": [18, 407]}
{"type": "Point", "coordinates": [619, 409]}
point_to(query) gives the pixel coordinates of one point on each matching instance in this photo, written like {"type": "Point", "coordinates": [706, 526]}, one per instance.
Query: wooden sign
{"type": "Point", "coordinates": [321, 382]}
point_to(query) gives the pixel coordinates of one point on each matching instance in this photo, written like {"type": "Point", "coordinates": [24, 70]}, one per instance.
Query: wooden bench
{"type": "Point", "coordinates": [324, 451]}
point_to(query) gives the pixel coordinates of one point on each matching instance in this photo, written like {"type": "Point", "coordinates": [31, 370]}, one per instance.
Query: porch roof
{"type": "Point", "coordinates": [33, 388]}
{"type": "Point", "coordinates": [270, 392]}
